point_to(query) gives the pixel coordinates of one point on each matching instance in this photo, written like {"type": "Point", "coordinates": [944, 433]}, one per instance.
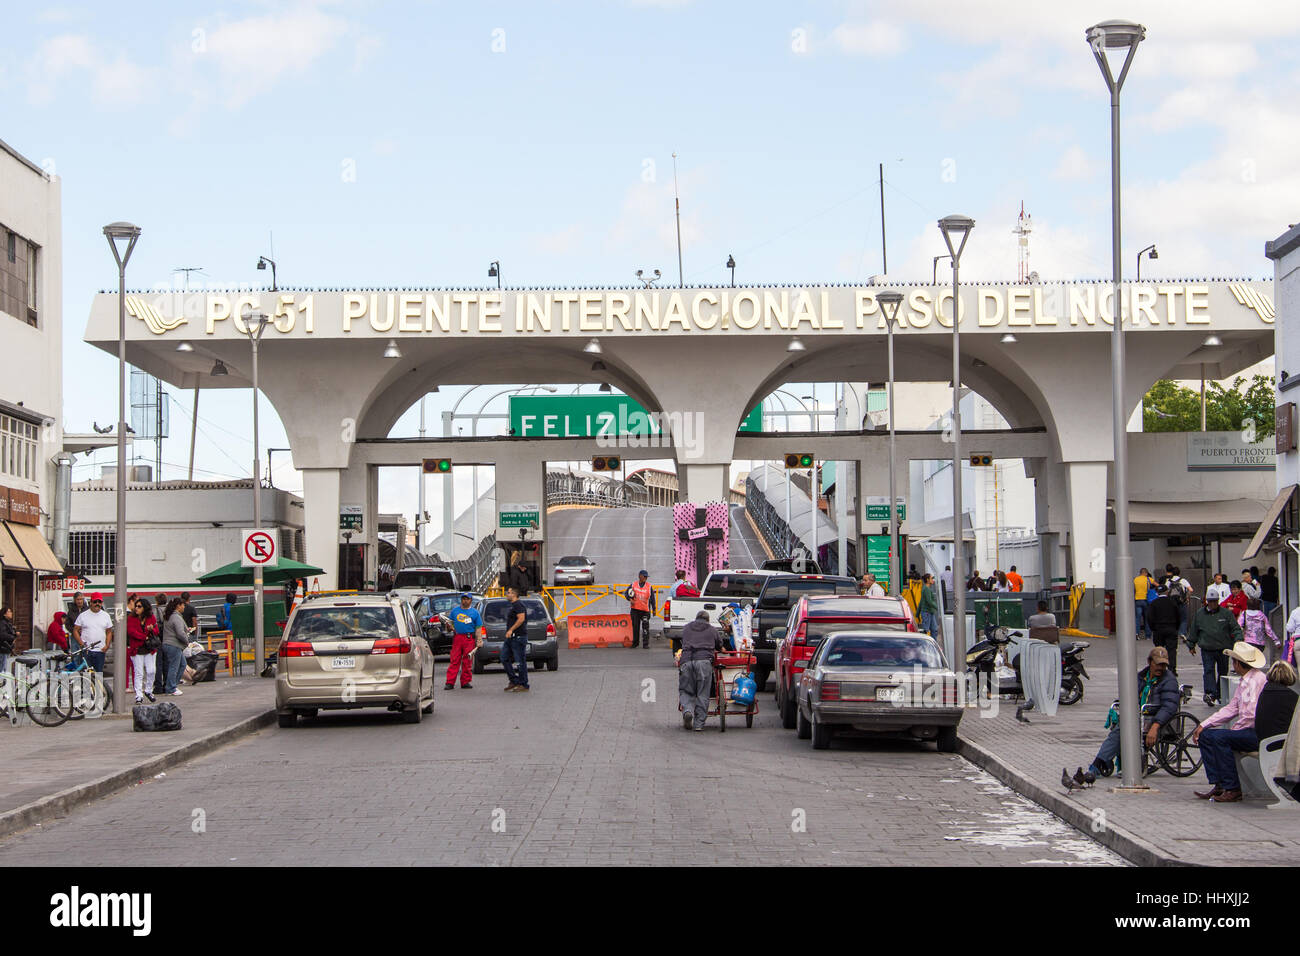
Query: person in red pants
{"type": "Point", "coordinates": [467, 625]}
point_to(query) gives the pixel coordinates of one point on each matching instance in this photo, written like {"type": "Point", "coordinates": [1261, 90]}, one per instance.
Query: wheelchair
{"type": "Point", "coordinates": [1173, 750]}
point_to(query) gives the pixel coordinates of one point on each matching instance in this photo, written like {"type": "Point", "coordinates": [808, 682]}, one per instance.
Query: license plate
{"type": "Point", "coordinates": [891, 695]}
{"type": "Point", "coordinates": [342, 663]}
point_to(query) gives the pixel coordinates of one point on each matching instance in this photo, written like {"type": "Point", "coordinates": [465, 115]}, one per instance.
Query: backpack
{"type": "Point", "coordinates": [1177, 593]}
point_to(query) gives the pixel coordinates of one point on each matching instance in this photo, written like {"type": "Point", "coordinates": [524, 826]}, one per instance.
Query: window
{"type": "Point", "coordinates": [94, 553]}
{"type": "Point", "coordinates": [17, 448]}
{"type": "Point", "coordinates": [31, 283]}
{"type": "Point", "coordinates": [12, 247]}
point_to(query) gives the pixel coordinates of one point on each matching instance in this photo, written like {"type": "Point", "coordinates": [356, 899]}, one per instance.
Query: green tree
{"type": "Point", "coordinates": [1170, 407]}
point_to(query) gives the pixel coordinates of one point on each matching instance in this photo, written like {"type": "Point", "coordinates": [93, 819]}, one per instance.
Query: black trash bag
{"type": "Point", "coordinates": [164, 716]}
{"type": "Point", "coordinates": [205, 666]}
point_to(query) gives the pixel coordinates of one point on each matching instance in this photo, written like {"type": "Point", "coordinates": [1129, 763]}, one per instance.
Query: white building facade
{"type": "Point", "coordinates": [31, 388]}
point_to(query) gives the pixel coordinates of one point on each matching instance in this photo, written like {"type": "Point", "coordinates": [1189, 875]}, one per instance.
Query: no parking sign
{"type": "Point", "coordinates": [261, 549]}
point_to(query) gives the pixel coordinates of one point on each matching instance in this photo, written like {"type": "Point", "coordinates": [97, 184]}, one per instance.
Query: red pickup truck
{"type": "Point", "coordinates": [811, 620]}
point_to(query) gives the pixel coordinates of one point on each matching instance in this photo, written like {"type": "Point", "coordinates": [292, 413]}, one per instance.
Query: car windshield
{"type": "Point", "coordinates": [850, 651]}
{"type": "Point", "coordinates": [441, 605]}
{"type": "Point", "coordinates": [495, 612]}
{"type": "Point", "coordinates": [734, 585]}
{"type": "Point", "coordinates": [340, 623]}
{"type": "Point", "coordinates": [572, 561]}
{"type": "Point", "coordinates": [428, 580]}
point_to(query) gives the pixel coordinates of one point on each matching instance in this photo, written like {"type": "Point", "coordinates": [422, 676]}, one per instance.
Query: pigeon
{"type": "Point", "coordinates": [1021, 709]}
{"type": "Point", "coordinates": [1068, 782]}
{"type": "Point", "coordinates": [1084, 779]}
{"type": "Point", "coordinates": [1089, 777]}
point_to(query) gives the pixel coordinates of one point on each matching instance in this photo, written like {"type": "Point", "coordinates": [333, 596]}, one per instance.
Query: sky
{"type": "Point", "coordinates": [410, 144]}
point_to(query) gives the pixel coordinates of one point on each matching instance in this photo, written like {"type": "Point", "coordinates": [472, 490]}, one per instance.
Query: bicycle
{"type": "Point", "coordinates": [1173, 750]}
{"type": "Point", "coordinates": [88, 693]}
{"type": "Point", "coordinates": [46, 700]}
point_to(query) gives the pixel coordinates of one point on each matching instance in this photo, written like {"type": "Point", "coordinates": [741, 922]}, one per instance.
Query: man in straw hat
{"type": "Point", "coordinates": [1218, 739]}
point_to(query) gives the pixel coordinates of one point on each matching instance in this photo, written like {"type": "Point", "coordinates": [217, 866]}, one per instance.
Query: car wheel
{"type": "Point", "coordinates": [428, 709]}
{"type": "Point", "coordinates": [787, 708]}
{"type": "Point", "coordinates": [821, 735]}
{"type": "Point", "coordinates": [478, 665]}
{"type": "Point", "coordinates": [947, 741]}
{"type": "Point", "coordinates": [412, 715]}
{"type": "Point", "coordinates": [553, 663]}
{"type": "Point", "coordinates": [287, 720]}
{"type": "Point", "coordinates": [309, 713]}
{"type": "Point", "coordinates": [760, 680]}
{"type": "Point", "coordinates": [803, 729]}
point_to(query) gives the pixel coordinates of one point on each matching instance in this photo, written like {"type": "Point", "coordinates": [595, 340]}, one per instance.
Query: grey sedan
{"type": "Point", "coordinates": [883, 682]}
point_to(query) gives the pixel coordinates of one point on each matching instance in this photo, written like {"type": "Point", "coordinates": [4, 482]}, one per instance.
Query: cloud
{"type": "Point", "coordinates": [253, 54]}
{"type": "Point", "coordinates": [1074, 165]}
{"type": "Point", "coordinates": [113, 79]}
{"type": "Point", "coordinates": [875, 38]}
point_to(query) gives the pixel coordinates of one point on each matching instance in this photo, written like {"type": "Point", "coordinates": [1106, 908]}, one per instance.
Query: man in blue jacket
{"type": "Point", "coordinates": [1158, 691]}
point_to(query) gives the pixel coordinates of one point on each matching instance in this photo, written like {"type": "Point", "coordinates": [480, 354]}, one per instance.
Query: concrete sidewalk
{"type": "Point", "coordinates": [49, 770]}
{"type": "Point", "coordinates": [1166, 825]}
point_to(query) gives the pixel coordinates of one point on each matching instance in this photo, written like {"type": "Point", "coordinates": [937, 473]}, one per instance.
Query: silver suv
{"type": "Point", "coordinates": [355, 650]}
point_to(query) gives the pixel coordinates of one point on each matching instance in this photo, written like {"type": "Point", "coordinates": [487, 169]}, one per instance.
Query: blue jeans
{"type": "Point", "coordinates": [173, 666]}
{"type": "Point", "coordinates": [514, 658]}
{"type": "Point", "coordinates": [1217, 746]}
{"type": "Point", "coordinates": [1182, 620]}
{"type": "Point", "coordinates": [1143, 629]}
{"type": "Point", "coordinates": [1214, 665]}
{"type": "Point", "coordinates": [929, 625]}
{"type": "Point", "coordinates": [96, 660]}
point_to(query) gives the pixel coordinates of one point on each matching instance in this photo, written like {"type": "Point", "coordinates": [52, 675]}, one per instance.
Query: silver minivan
{"type": "Point", "coordinates": [357, 650]}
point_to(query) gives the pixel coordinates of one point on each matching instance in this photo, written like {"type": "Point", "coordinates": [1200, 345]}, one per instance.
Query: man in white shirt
{"type": "Point", "coordinates": [870, 587]}
{"type": "Point", "coordinates": [681, 579]}
{"type": "Point", "coordinates": [945, 578]}
{"type": "Point", "coordinates": [1249, 585]}
{"type": "Point", "coordinates": [92, 628]}
{"type": "Point", "coordinates": [1219, 588]}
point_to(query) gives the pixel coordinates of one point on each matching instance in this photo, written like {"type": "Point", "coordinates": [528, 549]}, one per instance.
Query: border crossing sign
{"type": "Point", "coordinates": [259, 549]}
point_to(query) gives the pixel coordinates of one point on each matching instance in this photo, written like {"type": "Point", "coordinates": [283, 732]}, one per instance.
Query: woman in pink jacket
{"type": "Point", "coordinates": [1254, 624]}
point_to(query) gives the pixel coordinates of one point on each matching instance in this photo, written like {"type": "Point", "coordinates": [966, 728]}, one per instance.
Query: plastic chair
{"type": "Point", "coordinates": [1270, 755]}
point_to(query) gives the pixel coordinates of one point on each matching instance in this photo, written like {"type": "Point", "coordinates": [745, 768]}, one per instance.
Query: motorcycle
{"type": "Point", "coordinates": [989, 657]}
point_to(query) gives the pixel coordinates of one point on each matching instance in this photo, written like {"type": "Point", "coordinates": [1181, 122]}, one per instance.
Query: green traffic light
{"type": "Point", "coordinates": [444, 464]}
{"type": "Point", "coordinates": [806, 461]}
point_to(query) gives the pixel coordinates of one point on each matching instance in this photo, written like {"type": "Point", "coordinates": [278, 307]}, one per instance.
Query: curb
{"type": "Point", "coordinates": [61, 803]}
{"type": "Point", "coordinates": [1132, 848]}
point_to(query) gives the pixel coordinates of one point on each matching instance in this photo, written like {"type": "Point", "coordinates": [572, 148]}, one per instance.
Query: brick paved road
{"type": "Point", "coordinates": [579, 771]}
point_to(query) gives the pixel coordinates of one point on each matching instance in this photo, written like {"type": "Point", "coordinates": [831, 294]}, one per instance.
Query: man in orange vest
{"type": "Point", "coordinates": [1015, 580]}
{"type": "Point", "coordinates": [642, 597]}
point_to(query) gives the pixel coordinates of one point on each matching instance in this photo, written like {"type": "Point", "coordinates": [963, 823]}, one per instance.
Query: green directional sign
{"type": "Point", "coordinates": [878, 559]}
{"type": "Point", "coordinates": [519, 515]}
{"type": "Point", "coordinates": [590, 416]}
{"type": "Point", "coordinates": [878, 508]}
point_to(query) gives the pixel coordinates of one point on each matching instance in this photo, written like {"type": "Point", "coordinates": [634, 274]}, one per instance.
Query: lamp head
{"type": "Point", "coordinates": [731, 262]}
{"type": "Point", "coordinates": [1153, 254]}
{"type": "Point", "coordinates": [261, 264]}
{"type": "Point", "coordinates": [391, 351]}
{"type": "Point", "coordinates": [593, 347]}
{"type": "Point", "coordinates": [492, 269]}
{"type": "Point", "coordinates": [889, 303]}
{"type": "Point", "coordinates": [185, 347]}
{"type": "Point", "coordinates": [956, 230]}
{"type": "Point", "coordinates": [122, 230]}
{"type": "Point", "coordinates": [219, 368]}
{"type": "Point", "coordinates": [795, 345]}
{"type": "Point", "coordinates": [1115, 35]}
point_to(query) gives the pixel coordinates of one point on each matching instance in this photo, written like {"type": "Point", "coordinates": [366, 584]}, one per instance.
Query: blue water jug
{"type": "Point", "coordinates": [744, 689]}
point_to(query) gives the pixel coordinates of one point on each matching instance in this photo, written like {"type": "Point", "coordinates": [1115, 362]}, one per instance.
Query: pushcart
{"type": "Point", "coordinates": [727, 667]}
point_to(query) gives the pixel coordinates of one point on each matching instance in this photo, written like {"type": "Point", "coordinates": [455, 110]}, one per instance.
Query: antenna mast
{"type": "Point", "coordinates": [1024, 225]}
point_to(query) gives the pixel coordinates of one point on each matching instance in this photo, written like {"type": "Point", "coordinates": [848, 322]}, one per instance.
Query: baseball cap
{"type": "Point", "coordinates": [97, 597]}
{"type": "Point", "coordinates": [466, 594]}
{"type": "Point", "coordinates": [1158, 654]}
{"type": "Point", "coordinates": [643, 571]}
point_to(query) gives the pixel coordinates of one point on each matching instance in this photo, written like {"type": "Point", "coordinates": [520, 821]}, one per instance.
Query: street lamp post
{"type": "Point", "coordinates": [1120, 35]}
{"type": "Point", "coordinates": [889, 303]}
{"type": "Point", "coordinates": [129, 234]}
{"type": "Point", "coordinates": [494, 272]}
{"type": "Point", "coordinates": [255, 324]}
{"type": "Point", "coordinates": [731, 264]}
{"type": "Point", "coordinates": [956, 230]}
{"type": "Point", "coordinates": [1150, 252]}
{"type": "Point", "coordinates": [262, 263]}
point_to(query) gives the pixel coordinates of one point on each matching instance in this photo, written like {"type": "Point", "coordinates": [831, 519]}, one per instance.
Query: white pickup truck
{"type": "Point", "coordinates": [734, 585]}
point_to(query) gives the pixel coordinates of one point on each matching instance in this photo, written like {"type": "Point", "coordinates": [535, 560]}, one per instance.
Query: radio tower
{"type": "Point", "coordinates": [1024, 225]}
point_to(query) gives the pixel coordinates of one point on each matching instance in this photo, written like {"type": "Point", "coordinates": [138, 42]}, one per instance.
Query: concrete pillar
{"type": "Point", "coordinates": [701, 483]}
{"type": "Point", "coordinates": [1086, 486]}
{"type": "Point", "coordinates": [320, 492]}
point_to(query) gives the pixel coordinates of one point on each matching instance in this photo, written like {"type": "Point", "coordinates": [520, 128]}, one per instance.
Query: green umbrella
{"type": "Point", "coordinates": [234, 573]}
